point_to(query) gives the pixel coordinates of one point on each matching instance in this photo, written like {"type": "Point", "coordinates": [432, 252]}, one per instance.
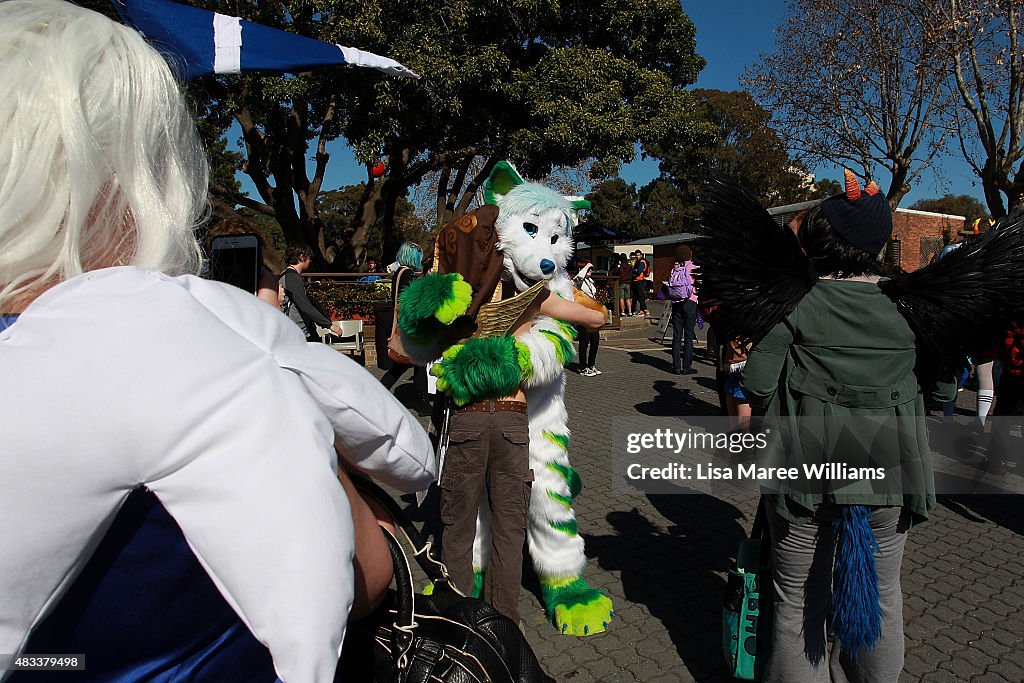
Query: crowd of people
{"type": "Point", "coordinates": [176, 481]}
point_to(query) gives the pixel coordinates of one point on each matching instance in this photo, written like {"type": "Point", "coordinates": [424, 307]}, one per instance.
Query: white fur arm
{"type": "Point", "coordinates": [544, 351]}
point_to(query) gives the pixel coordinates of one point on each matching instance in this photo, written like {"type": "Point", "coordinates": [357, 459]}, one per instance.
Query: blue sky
{"type": "Point", "coordinates": [731, 34]}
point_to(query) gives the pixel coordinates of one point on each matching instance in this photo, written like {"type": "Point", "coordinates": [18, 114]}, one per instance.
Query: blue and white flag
{"type": "Point", "coordinates": [204, 42]}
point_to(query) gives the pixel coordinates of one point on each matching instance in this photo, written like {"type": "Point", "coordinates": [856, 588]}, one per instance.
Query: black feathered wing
{"type": "Point", "coordinates": [752, 272]}
{"type": "Point", "coordinates": [959, 305]}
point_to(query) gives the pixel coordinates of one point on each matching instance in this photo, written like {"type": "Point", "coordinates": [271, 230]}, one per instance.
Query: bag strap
{"type": "Point", "coordinates": [435, 571]}
{"type": "Point", "coordinates": [759, 529]}
{"type": "Point", "coordinates": [394, 286]}
{"type": "Point", "coordinates": [403, 634]}
{"type": "Point", "coordinates": [394, 299]}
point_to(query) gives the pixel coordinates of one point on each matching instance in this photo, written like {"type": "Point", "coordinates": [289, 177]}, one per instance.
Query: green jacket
{"type": "Point", "coordinates": [846, 352]}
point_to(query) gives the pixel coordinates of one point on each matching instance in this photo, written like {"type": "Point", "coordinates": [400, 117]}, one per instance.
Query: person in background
{"type": "Point", "coordinates": [589, 339]}
{"type": "Point", "coordinates": [410, 263]}
{"type": "Point", "coordinates": [640, 271]}
{"type": "Point", "coordinates": [169, 480]}
{"type": "Point", "coordinates": [683, 295]}
{"type": "Point", "coordinates": [303, 311]}
{"type": "Point", "coordinates": [372, 267]}
{"type": "Point", "coordinates": [1010, 406]}
{"type": "Point", "coordinates": [625, 286]}
{"type": "Point", "coordinates": [733, 359]}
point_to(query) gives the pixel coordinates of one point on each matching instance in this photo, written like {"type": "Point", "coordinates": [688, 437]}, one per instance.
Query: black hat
{"type": "Point", "coordinates": [862, 218]}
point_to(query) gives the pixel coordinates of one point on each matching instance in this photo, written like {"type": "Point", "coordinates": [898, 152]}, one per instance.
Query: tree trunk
{"type": "Point", "coordinates": [990, 177]}
{"type": "Point", "coordinates": [398, 163]}
{"type": "Point", "coordinates": [371, 207]}
{"type": "Point", "coordinates": [898, 188]}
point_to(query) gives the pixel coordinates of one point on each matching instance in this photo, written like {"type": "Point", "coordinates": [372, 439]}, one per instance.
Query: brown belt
{"type": "Point", "coordinates": [492, 406]}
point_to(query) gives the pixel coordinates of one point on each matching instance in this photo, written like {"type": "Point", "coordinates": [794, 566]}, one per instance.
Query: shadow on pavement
{"type": "Point", "coordinates": [660, 361]}
{"type": "Point", "coordinates": [675, 573]}
{"type": "Point", "coordinates": [673, 401]}
{"type": "Point", "coordinates": [1005, 511]}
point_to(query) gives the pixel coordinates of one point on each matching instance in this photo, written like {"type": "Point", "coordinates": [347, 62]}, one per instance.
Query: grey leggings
{"type": "Point", "coordinates": [803, 557]}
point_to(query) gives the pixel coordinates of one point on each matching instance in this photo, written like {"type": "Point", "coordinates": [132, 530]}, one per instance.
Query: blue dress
{"type": "Point", "coordinates": [144, 609]}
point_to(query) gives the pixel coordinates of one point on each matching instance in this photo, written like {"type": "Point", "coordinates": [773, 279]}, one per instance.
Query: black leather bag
{"type": "Point", "coordinates": [443, 637]}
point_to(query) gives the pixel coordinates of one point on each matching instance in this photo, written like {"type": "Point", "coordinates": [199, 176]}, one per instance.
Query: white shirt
{"type": "Point", "coordinates": [214, 401]}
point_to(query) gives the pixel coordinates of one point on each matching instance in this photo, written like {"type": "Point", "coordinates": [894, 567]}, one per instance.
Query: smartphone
{"type": "Point", "coordinates": [237, 260]}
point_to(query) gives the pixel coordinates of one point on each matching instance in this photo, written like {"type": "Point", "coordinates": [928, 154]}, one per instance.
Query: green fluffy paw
{"type": "Point", "coordinates": [575, 608]}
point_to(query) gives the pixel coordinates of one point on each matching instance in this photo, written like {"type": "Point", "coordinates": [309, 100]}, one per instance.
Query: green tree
{"type": "Point", "coordinates": [825, 187]}
{"type": "Point", "coordinates": [337, 208]}
{"type": "Point", "coordinates": [614, 203]}
{"type": "Point", "coordinates": [540, 83]}
{"type": "Point", "coordinates": [665, 209]}
{"type": "Point", "coordinates": [957, 205]}
{"type": "Point", "coordinates": [737, 141]}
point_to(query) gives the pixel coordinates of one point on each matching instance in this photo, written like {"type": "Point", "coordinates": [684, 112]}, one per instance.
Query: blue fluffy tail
{"type": "Point", "coordinates": [856, 614]}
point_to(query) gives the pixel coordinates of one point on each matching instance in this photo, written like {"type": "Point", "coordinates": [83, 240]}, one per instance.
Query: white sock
{"type": "Point", "coordinates": [985, 397]}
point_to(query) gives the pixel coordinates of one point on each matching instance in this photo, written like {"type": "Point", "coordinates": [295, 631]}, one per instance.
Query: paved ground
{"type": "Point", "coordinates": [662, 559]}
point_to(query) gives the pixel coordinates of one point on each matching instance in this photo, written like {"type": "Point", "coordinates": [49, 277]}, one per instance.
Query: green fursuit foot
{"type": "Point", "coordinates": [575, 608]}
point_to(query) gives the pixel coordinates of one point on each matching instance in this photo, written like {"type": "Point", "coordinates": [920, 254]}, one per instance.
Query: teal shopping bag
{"type": "Point", "coordinates": [745, 641]}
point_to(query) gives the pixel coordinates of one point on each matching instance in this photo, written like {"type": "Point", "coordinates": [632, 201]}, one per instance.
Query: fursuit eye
{"type": "Point", "coordinates": [530, 229]}
{"type": "Point", "coordinates": [554, 238]}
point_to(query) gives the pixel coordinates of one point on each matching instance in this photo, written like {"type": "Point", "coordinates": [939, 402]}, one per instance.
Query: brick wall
{"type": "Point", "coordinates": [920, 235]}
{"type": "Point", "coordinates": [661, 267]}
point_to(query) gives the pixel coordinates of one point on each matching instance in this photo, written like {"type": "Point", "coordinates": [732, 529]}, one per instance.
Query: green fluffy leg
{"type": "Point", "coordinates": [575, 608]}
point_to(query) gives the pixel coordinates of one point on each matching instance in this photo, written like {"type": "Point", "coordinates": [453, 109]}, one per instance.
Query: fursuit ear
{"type": "Point", "coordinates": [502, 180]}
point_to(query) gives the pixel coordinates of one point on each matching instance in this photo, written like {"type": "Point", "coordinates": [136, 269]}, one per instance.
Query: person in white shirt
{"type": "Point", "coordinates": [132, 387]}
{"type": "Point", "coordinates": [589, 340]}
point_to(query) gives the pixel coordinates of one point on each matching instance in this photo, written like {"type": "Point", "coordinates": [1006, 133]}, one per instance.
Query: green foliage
{"type": "Point", "coordinates": [348, 299]}
{"type": "Point", "coordinates": [825, 188]}
{"type": "Point", "coordinates": [615, 203]}
{"type": "Point", "coordinates": [337, 210]}
{"type": "Point", "coordinates": [740, 143]}
{"type": "Point", "coordinates": [540, 82]}
{"type": "Point", "coordinates": [957, 205]}
{"type": "Point", "coordinates": [666, 209]}
{"type": "Point", "coordinates": [267, 227]}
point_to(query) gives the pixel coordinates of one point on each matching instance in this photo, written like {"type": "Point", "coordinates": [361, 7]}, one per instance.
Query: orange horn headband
{"type": "Point", "coordinates": [852, 186]}
{"type": "Point", "coordinates": [872, 188]}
